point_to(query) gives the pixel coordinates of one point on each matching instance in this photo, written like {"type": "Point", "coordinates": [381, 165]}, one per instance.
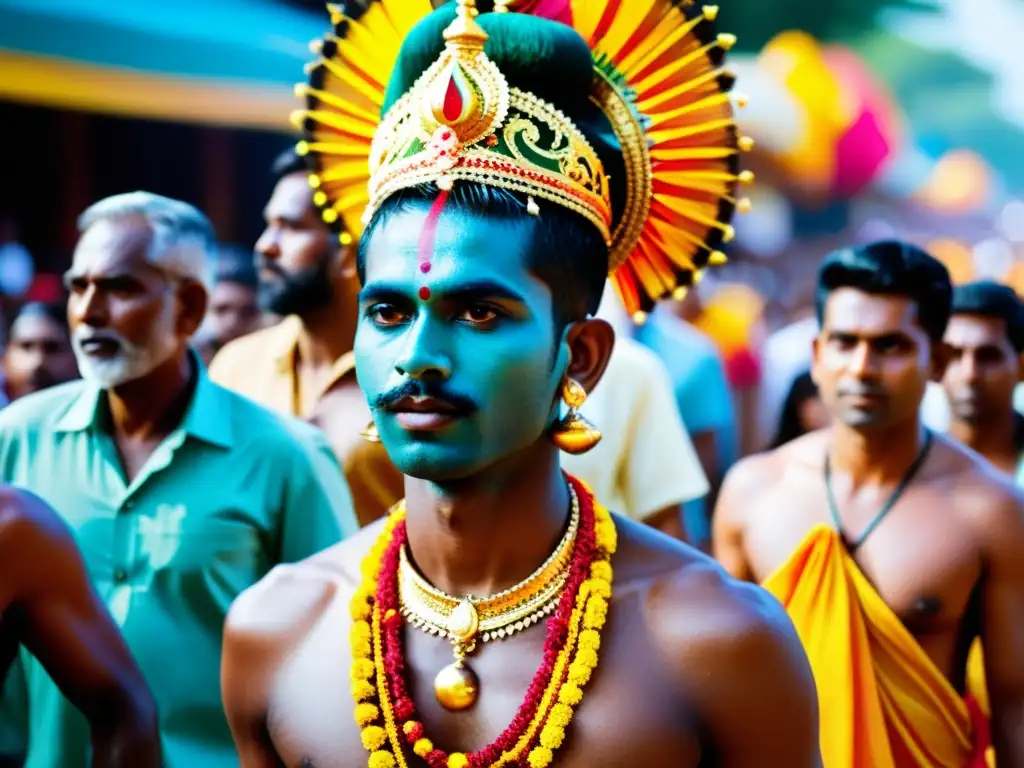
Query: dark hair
{"type": "Point", "coordinates": [287, 163]}
{"type": "Point", "coordinates": [890, 268]}
{"type": "Point", "coordinates": [991, 299]}
{"type": "Point", "coordinates": [790, 428]}
{"type": "Point", "coordinates": [567, 252]}
{"type": "Point", "coordinates": [52, 312]}
{"type": "Point", "coordinates": [235, 265]}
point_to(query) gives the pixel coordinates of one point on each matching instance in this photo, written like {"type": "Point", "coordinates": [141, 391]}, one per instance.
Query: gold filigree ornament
{"type": "Point", "coordinates": [462, 121]}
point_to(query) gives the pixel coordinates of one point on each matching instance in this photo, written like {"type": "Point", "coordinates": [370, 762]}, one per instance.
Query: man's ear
{"type": "Point", "coordinates": [942, 354]}
{"type": "Point", "coordinates": [590, 345]}
{"type": "Point", "coordinates": [192, 300]}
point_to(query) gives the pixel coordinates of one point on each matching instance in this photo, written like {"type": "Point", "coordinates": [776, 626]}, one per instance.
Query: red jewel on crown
{"type": "Point", "coordinates": [444, 140]}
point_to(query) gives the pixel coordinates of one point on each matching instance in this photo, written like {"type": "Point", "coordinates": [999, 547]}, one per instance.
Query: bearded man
{"type": "Point", "coordinates": [180, 493]}
{"type": "Point", "coordinates": [500, 616]}
{"type": "Point", "coordinates": [303, 366]}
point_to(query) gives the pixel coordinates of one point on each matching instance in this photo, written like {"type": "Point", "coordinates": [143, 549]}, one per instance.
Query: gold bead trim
{"type": "Point", "coordinates": [639, 176]}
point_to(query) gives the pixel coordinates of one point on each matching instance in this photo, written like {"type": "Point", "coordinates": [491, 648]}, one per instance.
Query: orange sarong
{"type": "Point", "coordinates": [883, 702]}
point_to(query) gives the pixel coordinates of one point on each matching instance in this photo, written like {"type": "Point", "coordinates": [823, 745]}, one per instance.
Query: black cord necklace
{"type": "Point", "coordinates": [908, 478]}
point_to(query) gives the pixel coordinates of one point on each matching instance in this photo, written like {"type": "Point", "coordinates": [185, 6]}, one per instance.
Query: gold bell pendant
{"type": "Point", "coordinates": [573, 433]}
{"type": "Point", "coordinates": [456, 686]}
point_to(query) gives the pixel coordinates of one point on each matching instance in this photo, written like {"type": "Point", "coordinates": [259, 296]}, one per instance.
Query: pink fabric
{"type": "Point", "coordinates": [742, 369]}
{"type": "Point", "coordinates": [556, 10]}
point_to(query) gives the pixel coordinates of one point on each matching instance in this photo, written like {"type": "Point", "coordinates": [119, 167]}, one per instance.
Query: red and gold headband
{"type": "Point", "coordinates": [462, 121]}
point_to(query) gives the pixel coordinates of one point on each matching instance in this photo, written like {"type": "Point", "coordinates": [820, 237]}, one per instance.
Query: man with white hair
{"type": "Point", "coordinates": [181, 493]}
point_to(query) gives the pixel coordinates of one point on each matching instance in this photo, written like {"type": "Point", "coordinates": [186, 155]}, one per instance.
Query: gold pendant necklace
{"type": "Point", "coordinates": [467, 620]}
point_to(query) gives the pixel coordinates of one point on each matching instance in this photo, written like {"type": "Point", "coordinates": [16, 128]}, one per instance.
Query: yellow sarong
{"type": "Point", "coordinates": [883, 702]}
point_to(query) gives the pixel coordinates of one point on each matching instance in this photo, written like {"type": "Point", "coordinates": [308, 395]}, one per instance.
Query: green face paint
{"type": "Point", "coordinates": [480, 346]}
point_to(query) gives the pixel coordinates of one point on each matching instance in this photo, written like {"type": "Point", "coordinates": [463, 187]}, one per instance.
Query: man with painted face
{"type": "Point", "coordinates": [892, 548]}
{"type": "Point", "coordinates": [304, 366]}
{"type": "Point", "coordinates": [38, 353]}
{"type": "Point", "coordinates": [500, 616]}
{"type": "Point", "coordinates": [986, 338]}
{"type": "Point", "coordinates": [180, 493]}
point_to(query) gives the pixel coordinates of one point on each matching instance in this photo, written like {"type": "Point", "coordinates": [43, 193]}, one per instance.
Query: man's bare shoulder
{"type": "Point", "coordinates": [985, 497]}
{"type": "Point", "coordinates": [753, 475]}
{"type": "Point", "coordinates": [717, 636]}
{"type": "Point", "coordinates": [705, 620]}
{"type": "Point", "coordinates": [285, 604]}
{"type": "Point", "coordinates": [38, 554]}
{"type": "Point", "coordinates": [27, 522]}
{"type": "Point", "coordinates": [694, 608]}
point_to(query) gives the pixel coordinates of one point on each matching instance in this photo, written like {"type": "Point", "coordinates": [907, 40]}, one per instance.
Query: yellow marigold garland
{"type": "Point", "coordinates": [366, 660]}
{"type": "Point", "coordinates": [573, 669]}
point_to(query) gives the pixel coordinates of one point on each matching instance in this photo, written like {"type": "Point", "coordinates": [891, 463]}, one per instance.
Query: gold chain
{"type": "Point", "coordinates": [498, 616]}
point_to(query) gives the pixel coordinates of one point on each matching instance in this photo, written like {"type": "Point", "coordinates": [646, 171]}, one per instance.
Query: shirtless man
{"type": "Point", "coordinates": [923, 524]}
{"type": "Point", "coordinates": [986, 338]}
{"type": "Point", "coordinates": [464, 362]}
{"type": "Point", "coordinates": [48, 605]}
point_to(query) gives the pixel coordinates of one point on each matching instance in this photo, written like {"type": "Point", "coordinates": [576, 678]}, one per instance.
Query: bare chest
{"type": "Point", "coordinates": [629, 714]}
{"type": "Point", "coordinates": [921, 558]}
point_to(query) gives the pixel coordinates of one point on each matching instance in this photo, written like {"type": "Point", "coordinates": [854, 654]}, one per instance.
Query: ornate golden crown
{"type": "Point", "coordinates": [658, 77]}
{"type": "Point", "coordinates": [462, 121]}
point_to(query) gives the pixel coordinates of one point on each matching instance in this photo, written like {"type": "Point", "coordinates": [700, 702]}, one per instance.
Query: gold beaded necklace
{"type": "Point", "coordinates": [468, 619]}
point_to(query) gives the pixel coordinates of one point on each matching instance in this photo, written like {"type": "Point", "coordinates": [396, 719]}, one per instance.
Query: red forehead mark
{"type": "Point", "coordinates": [428, 237]}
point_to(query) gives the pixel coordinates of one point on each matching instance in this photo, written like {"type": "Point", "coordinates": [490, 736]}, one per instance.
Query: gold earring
{"type": "Point", "coordinates": [370, 434]}
{"type": "Point", "coordinates": [573, 433]}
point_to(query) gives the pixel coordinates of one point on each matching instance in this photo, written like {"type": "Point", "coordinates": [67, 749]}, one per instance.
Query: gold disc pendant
{"type": "Point", "coordinates": [456, 687]}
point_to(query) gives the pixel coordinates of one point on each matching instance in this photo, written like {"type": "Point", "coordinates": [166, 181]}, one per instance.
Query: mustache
{"type": "Point", "coordinates": [861, 389]}
{"type": "Point", "coordinates": [271, 265]}
{"type": "Point", "coordinates": [424, 388]}
{"type": "Point", "coordinates": [84, 333]}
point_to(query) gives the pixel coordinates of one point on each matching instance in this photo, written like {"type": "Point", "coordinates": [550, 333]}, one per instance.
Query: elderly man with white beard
{"type": "Point", "coordinates": [180, 493]}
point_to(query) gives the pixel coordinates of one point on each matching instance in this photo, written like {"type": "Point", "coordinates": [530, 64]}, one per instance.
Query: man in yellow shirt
{"type": "Point", "coordinates": [307, 276]}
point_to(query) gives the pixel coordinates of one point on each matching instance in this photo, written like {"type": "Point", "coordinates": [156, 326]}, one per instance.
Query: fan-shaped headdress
{"type": "Point", "coordinates": [621, 113]}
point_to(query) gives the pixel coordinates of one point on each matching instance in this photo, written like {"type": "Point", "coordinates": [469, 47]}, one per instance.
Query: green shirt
{"type": "Point", "coordinates": [232, 492]}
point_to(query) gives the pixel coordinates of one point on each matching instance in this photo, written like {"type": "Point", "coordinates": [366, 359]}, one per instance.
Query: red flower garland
{"type": "Point", "coordinates": [584, 554]}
